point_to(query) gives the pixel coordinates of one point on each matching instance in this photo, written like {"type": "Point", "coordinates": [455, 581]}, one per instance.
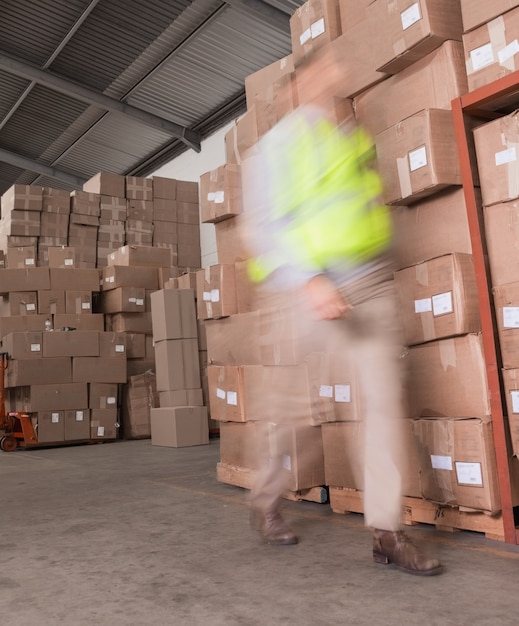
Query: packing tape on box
{"type": "Point", "coordinates": [404, 177]}
{"type": "Point", "coordinates": [447, 349]}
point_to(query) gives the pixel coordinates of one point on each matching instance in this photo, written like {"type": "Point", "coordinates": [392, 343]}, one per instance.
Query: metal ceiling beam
{"type": "Point", "coordinates": [268, 13]}
{"type": "Point", "coordinates": [33, 166]}
{"type": "Point", "coordinates": [74, 90]}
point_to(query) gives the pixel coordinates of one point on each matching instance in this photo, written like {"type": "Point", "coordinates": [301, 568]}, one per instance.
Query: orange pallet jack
{"type": "Point", "coordinates": [16, 429]}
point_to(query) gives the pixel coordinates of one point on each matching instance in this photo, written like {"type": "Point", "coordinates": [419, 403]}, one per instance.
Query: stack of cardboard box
{"type": "Point", "coordinates": [400, 88]}
{"type": "Point", "coordinates": [181, 419]}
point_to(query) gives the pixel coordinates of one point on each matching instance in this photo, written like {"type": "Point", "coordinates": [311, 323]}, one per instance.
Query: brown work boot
{"type": "Point", "coordinates": [273, 528]}
{"type": "Point", "coordinates": [397, 548]}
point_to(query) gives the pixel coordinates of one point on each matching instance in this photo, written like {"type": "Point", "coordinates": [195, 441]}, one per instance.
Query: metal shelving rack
{"type": "Point", "coordinates": [486, 103]}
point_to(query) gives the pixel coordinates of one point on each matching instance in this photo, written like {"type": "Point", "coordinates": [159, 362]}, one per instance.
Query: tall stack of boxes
{"type": "Point", "coordinates": [181, 419]}
{"type": "Point", "coordinates": [88, 262]}
{"type": "Point", "coordinates": [400, 90]}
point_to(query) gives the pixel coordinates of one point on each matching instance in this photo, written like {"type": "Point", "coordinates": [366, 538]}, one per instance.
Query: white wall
{"type": "Point", "coordinates": [190, 166]}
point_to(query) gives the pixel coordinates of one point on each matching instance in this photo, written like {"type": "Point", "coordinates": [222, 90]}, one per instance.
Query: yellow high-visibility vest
{"type": "Point", "coordinates": [326, 199]}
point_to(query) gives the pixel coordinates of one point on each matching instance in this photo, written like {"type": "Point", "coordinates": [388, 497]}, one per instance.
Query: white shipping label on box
{"type": "Point", "coordinates": [119, 347]}
{"type": "Point", "coordinates": [515, 401]}
{"type": "Point", "coordinates": [482, 56]}
{"type": "Point", "coordinates": [139, 301]}
{"type": "Point", "coordinates": [342, 393]}
{"type": "Point", "coordinates": [232, 398]}
{"type": "Point", "coordinates": [305, 36]}
{"type": "Point", "coordinates": [326, 391]}
{"type": "Point", "coordinates": [317, 28]}
{"type": "Point", "coordinates": [469, 474]}
{"type": "Point", "coordinates": [511, 317]}
{"type": "Point", "coordinates": [220, 393]}
{"type": "Point", "coordinates": [206, 296]}
{"type": "Point", "coordinates": [508, 52]}
{"type": "Point", "coordinates": [417, 158]}
{"type": "Point", "coordinates": [79, 416]}
{"type": "Point", "coordinates": [215, 295]}
{"type": "Point", "coordinates": [442, 303]}
{"type": "Point", "coordinates": [30, 307]}
{"type": "Point", "coordinates": [506, 156]}
{"type": "Point", "coordinates": [55, 418]}
{"type": "Point", "coordinates": [219, 197]}
{"type": "Point", "coordinates": [423, 306]}
{"type": "Point", "coordinates": [287, 462]}
{"type": "Point", "coordinates": [110, 400]}
{"type": "Point", "coordinates": [100, 431]}
{"type": "Point", "coordinates": [410, 16]}
{"type": "Point", "coordinates": [441, 462]}
{"type": "Point", "coordinates": [35, 347]}
{"type": "Point", "coordinates": [69, 262]}
{"type": "Point", "coordinates": [85, 306]}
{"type": "Point", "coordinates": [29, 261]}
{"type": "Point", "coordinates": [210, 196]}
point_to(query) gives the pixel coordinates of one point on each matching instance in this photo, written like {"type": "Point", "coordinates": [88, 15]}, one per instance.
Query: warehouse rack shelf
{"type": "Point", "coordinates": [486, 103]}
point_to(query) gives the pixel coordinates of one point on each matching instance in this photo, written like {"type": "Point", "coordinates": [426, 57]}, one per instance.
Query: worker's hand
{"type": "Point", "coordinates": [326, 302]}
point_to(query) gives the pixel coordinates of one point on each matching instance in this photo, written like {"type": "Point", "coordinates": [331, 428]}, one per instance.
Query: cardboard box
{"type": "Point", "coordinates": [140, 211]}
{"type": "Point", "coordinates": [71, 343]}
{"type": "Point", "coordinates": [38, 371]}
{"type": "Point", "coordinates": [104, 424]}
{"type": "Point", "coordinates": [276, 103]}
{"type": "Point", "coordinates": [239, 140]}
{"type": "Point", "coordinates": [457, 463]}
{"type": "Point", "coordinates": [477, 12]}
{"type": "Point", "coordinates": [51, 397]}
{"type": "Point", "coordinates": [19, 303]}
{"type": "Point", "coordinates": [234, 340]}
{"type": "Point", "coordinates": [122, 300]}
{"type": "Point", "coordinates": [343, 445]}
{"type": "Point", "coordinates": [106, 184]}
{"type": "Point", "coordinates": [187, 191]}
{"type": "Point", "coordinates": [220, 193]}
{"type": "Point", "coordinates": [129, 323]}
{"type": "Point", "coordinates": [447, 378]}
{"type": "Point", "coordinates": [491, 50]}
{"type": "Point", "coordinates": [245, 288]}
{"type": "Point", "coordinates": [188, 212]}
{"type": "Point", "coordinates": [91, 369]}
{"type": "Point", "coordinates": [23, 197]}
{"type": "Point", "coordinates": [135, 345]}
{"type": "Point", "coordinates": [102, 395]}
{"type": "Point", "coordinates": [112, 344]}
{"type": "Point", "coordinates": [143, 256]}
{"type": "Point", "coordinates": [86, 279]}
{"type": "Point", "coordinates": [188, 248]}
{"type": "Point", "coordinates": [22, 323]}
{"type": "Point", "coordinates": [511, 388]}
{"type": "Point", "coordinates": [54, 225]}
{"type": "Point", "coordinates": [62, 256]}
{"type": "Point", "coordinates": [178, 427]}
{"type": "Point", "coordinates": [430, 83]}
{"type": "Point", "coordinates": [216, 292]}
{"type": "Point", "coordinates": [165, 188]}
{"type": "Point", "coordinates": [502, 238]}
{"type": "Point", "coordinates": [438, 298]}
{"type": "Point", "coordinates": [181, 397]}
{"type": "Point", "coordinates": [51, 301]}
{"type": "Point", "coordinates": [238, 445]}
{"type": "Point", "coordinates": [85, 203]}
{"type": "Point", "coordinates": [23, 345]}
{"type": "Point", "coordinates": [139, 188]}
{"type": "Point", "coordinates": [79, 321]}
{"type": "Point", "coordinates": [55, 201]}
{"type": "Point", "coordinates": [115, 276]}
{"type": "Point", "coordinates": [261, 81]}
{"type": "Point", "coordinates": [432, 227]}
{"type": "Point", "coordinates": [230, 245]}
{"type": "Point", "coordinates": [497, 157]}
{"type": "Point", "coordinates": [177, 364]}
{"type": "Point", "coordinates": [352, 12]}
{"type": "Point", "coordinates": [164, 210]}
{"type": "Point", "coordinates": [418, 157]}
{"type": "Point", "coordinates": [78, 302]}
{"type": "Point", "coordinates": [312, 26]}
{"type": "Point", "coordinates": [139, 396]}
{"type": "Point", "coordinates": [506, 303]}
{"type": "Point", "coordinates": [77, 424]}
{"type": "Point", "coordinates": [26, 279]}
{"type": "Point", "coordinates": [21, 257]}
{"type": "Point", "coordinates": [173, 314]}
{"type": "Point", "coordinates": [50, 426]}
{"type": "Point", "coordinates": [413, 30]}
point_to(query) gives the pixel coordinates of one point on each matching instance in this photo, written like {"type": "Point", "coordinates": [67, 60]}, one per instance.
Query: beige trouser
{"type": "Point", "coordinates": [371, 333]}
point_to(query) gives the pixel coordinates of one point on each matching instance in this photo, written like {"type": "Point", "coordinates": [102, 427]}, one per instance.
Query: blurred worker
{"type": "Point", "coordinates": [314, 222]}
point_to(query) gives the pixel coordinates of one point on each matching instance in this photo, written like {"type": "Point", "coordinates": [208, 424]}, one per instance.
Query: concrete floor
{"type": "Point", "coordinates": [126, 534]}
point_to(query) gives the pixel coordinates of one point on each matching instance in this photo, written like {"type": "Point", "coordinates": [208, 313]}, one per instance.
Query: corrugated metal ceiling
{"type": "Point", "coordinates": [124, 85]}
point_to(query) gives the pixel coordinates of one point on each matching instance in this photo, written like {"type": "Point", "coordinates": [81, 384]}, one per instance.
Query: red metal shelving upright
{"type": "Point", "coordinates": [484, 103]}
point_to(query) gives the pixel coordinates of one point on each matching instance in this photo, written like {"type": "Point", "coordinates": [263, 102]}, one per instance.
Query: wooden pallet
{"type": "Point", "coordinates": [243, 477]}
{"type": "Point", "coordinates": [418, 511]}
